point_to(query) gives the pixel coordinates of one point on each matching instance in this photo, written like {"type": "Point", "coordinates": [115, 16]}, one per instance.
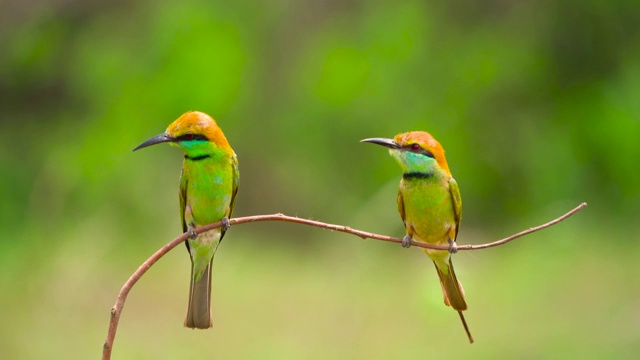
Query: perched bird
{"type": "Point", "coordinates": [430, 205]}
{"type": "Point", "coordinates": [208, 187]}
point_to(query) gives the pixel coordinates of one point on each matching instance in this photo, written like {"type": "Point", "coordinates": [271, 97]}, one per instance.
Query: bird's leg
{"type": "Point", "coordinates": [191, 230]}
{"type": "Point", "coordinates": [191, 225]}
{"type": "Point", "coordinates": [226, 224]}
{"type": "Point", "coordinates": [453, 247]}
{"type": "Point", "coordinates": [406, 241]}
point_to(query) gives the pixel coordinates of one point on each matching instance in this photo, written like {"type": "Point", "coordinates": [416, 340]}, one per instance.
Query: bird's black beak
{"type": "Point", "coordinates": [155, 140]}
{"type": "Point", "coordinates": [390, 143]}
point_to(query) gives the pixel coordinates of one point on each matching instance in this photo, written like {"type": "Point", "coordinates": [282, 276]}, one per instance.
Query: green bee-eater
{"type": "Point", "coordinates": [208, 187]}
{"type": "Point", "coordinates": [430, 205]}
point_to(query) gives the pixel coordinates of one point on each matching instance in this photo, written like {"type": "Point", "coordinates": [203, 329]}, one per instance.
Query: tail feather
{"type": "Point", "coordinates": [466, 328]}
{"type": "Point", "coordinates": [453, 292]}
{"type": "Point", "coordinates": [451, 287]}
{"type": "Point", "coordinates": [199, 310]}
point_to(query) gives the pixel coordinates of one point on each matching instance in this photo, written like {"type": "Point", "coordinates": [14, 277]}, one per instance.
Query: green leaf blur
{"type": "Point", "coordinates": [537, 104]}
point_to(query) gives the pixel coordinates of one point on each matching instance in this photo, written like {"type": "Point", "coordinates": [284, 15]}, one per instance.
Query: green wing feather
{"type": "Point", "coordinates": [457, 203]}
{"type": "Point", "coordinates": [183, 199]}
{"type": "Point", "coordinates": [236, 176]}
{"type": "Point", "coordinates": [400, 203]}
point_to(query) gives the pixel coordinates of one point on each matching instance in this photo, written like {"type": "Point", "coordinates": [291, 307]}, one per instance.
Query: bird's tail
{"type": "Point", "coordinates": [451, 287]}
{"type": "Point", "coordinates": [199, 310]}
{"type": "Point", "coordinates": [453, 291]}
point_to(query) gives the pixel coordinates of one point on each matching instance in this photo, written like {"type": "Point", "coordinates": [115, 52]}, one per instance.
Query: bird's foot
{"type": "Point", "coordinates": [406, 241]}
{"type": "Point", "coordinates": [191, 231]}
{"type": "Point", "coordinates": [453, 247]}
{"type": "Point", "coordinates": [226, 224]}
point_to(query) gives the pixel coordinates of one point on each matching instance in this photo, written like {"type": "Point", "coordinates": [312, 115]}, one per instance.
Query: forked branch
{"type": "Point", "coordinates": [122, 295]}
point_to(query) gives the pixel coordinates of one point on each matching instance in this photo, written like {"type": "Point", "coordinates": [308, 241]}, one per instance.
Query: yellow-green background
{"type": "Point", "coordinates": [537, 104]}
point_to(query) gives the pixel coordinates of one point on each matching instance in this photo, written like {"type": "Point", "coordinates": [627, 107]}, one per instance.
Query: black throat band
{"type": "Point", "coordinates": [416, 175]}
{"type": "Point", "coordinates": [196, 158]}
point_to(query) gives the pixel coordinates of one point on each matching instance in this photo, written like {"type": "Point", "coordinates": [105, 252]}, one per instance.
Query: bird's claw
{"type": "Point", "coordinates": [226, 224]}
{"type": "Point", "coordinates": [192, 233]}
{"type": "Point", "coordinates": [453, 247]}
{"type": "Point", "coordinates": [406, 241]}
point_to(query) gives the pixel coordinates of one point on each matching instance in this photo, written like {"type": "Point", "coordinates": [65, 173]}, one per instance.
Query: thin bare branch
{"type": "Point", "coordinates": [116, 310]}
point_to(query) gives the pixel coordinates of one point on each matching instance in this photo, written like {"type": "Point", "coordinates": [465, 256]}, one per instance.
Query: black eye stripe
{"type": "Point", "coordinates": [191, 137]}
{"type": "Point", "coordinates": [426, 153]}
{"type": "Point", "coordinates": [419, 151]}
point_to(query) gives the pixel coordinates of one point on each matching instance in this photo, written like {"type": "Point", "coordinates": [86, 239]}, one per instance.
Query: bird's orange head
{"type": "Point", "coordinates": [195, 132]}
{"type": "Point", "coordinates": [416, 152]}
{"type": "Point", "coordinates": [197, 124]}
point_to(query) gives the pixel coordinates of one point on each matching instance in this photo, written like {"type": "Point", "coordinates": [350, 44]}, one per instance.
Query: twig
{"type": "Point", "coordinates": [116, 310]}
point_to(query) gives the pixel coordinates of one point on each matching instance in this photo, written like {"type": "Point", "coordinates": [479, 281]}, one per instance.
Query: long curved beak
{"type": "Point", "coordinates": [155, 140]}
{"type": "Point", "coordinates": [390, 143]}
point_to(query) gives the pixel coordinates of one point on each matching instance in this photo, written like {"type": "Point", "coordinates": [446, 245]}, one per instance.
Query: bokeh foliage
{"type": "Point", "coordinates": [536, 103]}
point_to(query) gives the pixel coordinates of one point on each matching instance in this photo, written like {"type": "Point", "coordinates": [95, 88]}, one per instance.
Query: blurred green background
{"type": "Point", "coordinates": [537, 104]}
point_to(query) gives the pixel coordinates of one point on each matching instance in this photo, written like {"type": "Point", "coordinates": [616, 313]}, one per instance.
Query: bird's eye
{"type": "Point", "coordinates": [188, 136]}
{"type": "Point", "coordinates": [415, 147]}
